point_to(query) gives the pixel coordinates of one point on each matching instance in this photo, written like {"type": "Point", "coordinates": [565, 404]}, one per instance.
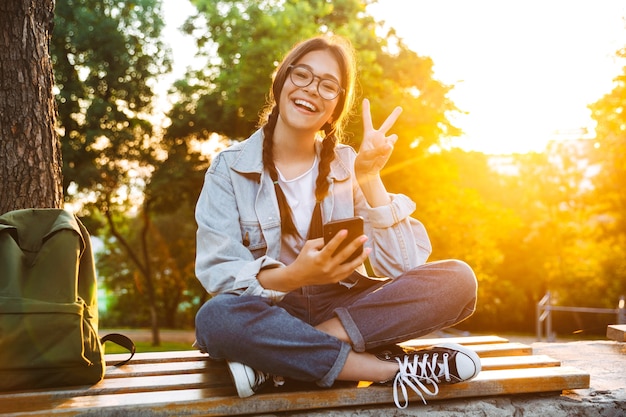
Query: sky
{"type": "Point", "coordinates": [524, 71]}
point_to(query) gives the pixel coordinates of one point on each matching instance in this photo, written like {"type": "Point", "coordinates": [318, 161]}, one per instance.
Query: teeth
{"type": "Point", "coordinates": [306, 104]}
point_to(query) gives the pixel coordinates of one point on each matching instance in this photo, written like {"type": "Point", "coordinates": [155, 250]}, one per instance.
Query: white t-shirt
{"type": "Point", "coordinates": [300, 195]}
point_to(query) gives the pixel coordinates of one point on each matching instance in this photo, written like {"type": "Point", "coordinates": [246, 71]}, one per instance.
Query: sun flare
{"type": "Point", "coordinates": [524, 72]}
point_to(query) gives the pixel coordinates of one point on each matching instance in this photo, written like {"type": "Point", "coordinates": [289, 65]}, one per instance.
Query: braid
{"type": "Point", "coordinates": [286, 217]}
{"type": "Point", "coordinates": [268, 143]}
{"type": "Point", "coordinates": [326, 157]}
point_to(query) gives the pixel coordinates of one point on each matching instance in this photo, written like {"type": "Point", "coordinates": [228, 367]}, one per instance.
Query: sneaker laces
{"type": "Point", "coordinates": [262, 378]}
{"type": "Point", "coordinates": [259, 379]}
{"type": "Point", "coordinates": [418, 374]}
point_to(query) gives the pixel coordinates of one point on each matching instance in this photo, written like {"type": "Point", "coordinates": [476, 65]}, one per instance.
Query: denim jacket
{"type": "Point", "coordinates": [239, 229]}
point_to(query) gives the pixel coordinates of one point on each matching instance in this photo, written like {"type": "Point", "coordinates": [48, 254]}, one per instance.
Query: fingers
{"type": "Point", "coordinates": [321, 265]}
{"type": "Point", "coordinates": [354, 264]}
{"type": "Point", "coordinates": [367, 116]}
{"type": "Point", "coordinates": [387, 124]}
{"type": "Point", "coordinates": [391, 139]}
{"type": "Point", "coordinates": [341, 250]}
{"type": "Point", "coordinates": [391, 119]}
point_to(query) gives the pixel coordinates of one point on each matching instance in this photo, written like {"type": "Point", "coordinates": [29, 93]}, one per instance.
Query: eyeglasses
{"type": "Point", "coordinates": [303, 77]}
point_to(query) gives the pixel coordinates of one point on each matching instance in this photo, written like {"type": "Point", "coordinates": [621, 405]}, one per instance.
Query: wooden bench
{"type": "Point", "coordinates": [189, 383]}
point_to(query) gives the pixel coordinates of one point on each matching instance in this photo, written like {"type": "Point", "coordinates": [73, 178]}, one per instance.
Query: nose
{"type": "Point", "coordinates": [313, 87]}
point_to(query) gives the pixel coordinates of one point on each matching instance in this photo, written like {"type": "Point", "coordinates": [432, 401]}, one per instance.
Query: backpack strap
{"type": "Point", "coordinates": [123, 341]}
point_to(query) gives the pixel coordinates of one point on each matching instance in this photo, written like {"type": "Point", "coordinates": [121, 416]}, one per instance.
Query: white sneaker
{"type": "Point", "coordinates": [247, 380]}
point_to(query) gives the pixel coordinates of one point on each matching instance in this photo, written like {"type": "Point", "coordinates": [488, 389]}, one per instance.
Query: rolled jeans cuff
{"type": "Point", "coordinates": [358, 343]}
{"type": "Point", "coordinates": [329, 379]}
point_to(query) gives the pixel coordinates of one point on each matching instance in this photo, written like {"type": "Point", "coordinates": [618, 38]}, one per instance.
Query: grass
{"type": "Point", "coordinates": [147, 347]}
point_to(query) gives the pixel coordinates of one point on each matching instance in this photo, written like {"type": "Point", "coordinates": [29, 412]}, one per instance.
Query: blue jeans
{"type": "Point", "coordinates": [281, 339]}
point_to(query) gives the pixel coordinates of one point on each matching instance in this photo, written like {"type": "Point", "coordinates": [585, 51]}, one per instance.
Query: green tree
{"type": "Point", "coordinates": [554, 248]}
{"type": "Point", "coordinates": [177, 292]}
{"type": "Point", "coordinates": [107, 55]}
{"type": "Point", "coordinates": [610, 153]}
{"type": "Point", "coordinates": [609, 198]}
{"type": "Point", "coordinates": [458, 196]}
{"type": "Point", "coordinates": [105, 93]}
{"type": "Point", "coordinates": [243, 41]}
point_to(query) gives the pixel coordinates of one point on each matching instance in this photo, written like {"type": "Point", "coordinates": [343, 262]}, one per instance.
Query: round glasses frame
{"type": "Point", "coordinates": [307, 77]}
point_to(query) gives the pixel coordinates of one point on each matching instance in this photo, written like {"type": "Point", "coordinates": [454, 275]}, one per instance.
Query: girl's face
{"type": "Point", "coordinates": [302, 108]}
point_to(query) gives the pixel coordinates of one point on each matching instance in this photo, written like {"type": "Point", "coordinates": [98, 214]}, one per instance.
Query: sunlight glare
{"type": "Point", "coordinates": [528, 69]}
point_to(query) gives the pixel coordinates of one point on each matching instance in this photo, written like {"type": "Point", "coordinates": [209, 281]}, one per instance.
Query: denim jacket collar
{"type": "Point", "coordinates": [250, 159]}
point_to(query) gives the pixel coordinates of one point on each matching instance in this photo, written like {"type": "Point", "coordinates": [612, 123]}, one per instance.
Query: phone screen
{"type": "Point", "coordinates": [354, 226]}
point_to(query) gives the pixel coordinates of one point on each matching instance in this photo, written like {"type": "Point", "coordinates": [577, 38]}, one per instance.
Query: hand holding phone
{"type": "Point", "coordinates": [354, 226]}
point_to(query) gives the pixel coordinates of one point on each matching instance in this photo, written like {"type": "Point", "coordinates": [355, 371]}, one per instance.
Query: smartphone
{"type": "Point", "coordinates": [354, 226]}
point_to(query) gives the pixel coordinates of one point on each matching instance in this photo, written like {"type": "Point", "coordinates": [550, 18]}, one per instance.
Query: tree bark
{"type": "Point", "coordinates": [30, 151]}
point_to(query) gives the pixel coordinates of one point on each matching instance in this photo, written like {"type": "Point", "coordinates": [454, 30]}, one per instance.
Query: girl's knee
{"type": "Point", "coordinates": [215, 322]}
{"type": "Point", "coordinates": [209, 315]}
{"type": "Point", "coordinates": [464, 275]}
{"type": "Point", "coordinates": [467, 285]}
{"type": "Point", "coordinates": [220, 321]}
{"type": "Point", "coordinates": [460, 284]}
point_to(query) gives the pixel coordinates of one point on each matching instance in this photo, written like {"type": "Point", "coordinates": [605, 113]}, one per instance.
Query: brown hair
{"type": "Point", "coordinates": [342, 50]}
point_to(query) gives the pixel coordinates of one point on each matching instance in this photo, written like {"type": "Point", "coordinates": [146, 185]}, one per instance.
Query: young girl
{"type": "Point", "coordinates": [284, 304]}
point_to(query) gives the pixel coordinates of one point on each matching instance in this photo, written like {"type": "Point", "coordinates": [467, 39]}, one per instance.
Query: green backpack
{"type": "Point", "coordinates": [48, 302]}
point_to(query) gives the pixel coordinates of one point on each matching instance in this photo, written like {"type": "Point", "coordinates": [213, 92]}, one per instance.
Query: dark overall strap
{"type": "Point", "coordinates": [123, 341]}
{"type": "Point", "coordinates": [315, 229]}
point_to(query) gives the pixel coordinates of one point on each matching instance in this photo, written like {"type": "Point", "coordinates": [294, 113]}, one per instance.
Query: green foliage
{"type": "Point", "coordinates": [524, 223]}
{"type": "Point", "coordinates": [610, 152]}
{"type": "Point", "coordinates": [608, 198]}
{"type": "Point", "coordinates": [458, 198]}
{"type": "Point", "coordinates": [245, 40]}
{"type": "Point", "coordinates": [105, 56]}
{"type": "Point", "coordinates": [178, 294]}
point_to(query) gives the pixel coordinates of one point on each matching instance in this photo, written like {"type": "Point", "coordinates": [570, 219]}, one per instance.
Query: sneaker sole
{"type": "Point", "coordinates": [238, 372]}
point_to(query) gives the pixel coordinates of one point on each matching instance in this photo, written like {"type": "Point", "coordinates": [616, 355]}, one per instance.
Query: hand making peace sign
{"type": "Point", "coordinates": [376, 147]}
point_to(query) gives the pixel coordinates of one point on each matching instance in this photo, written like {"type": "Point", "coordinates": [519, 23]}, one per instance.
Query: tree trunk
{"type": "Point", "coordinates": [143, 266]}
{"type": "Point", "coordinates": [30, 151]}
{"type": "Point", "coordinates": [154, 317]}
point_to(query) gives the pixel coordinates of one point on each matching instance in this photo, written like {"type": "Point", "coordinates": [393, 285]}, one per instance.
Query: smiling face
{"type": "Point", "coordinates": [301, 109]}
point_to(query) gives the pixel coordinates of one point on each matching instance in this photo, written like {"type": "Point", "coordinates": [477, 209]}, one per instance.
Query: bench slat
{"type": "Point", "coordinates": [465, 341]}
{"type": "Point", "coordinates": [165, 368]}
{"type": "Point", "coordinates": [502, 349]}
{"type": "Point", "coordinates": [220, 402]}
{"type": "Point", "coordinates": [156, 357]}
{"type": "Point", "coordinates": [486, 350]}
{"type": "Point", "coordinates": [518, 362]}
